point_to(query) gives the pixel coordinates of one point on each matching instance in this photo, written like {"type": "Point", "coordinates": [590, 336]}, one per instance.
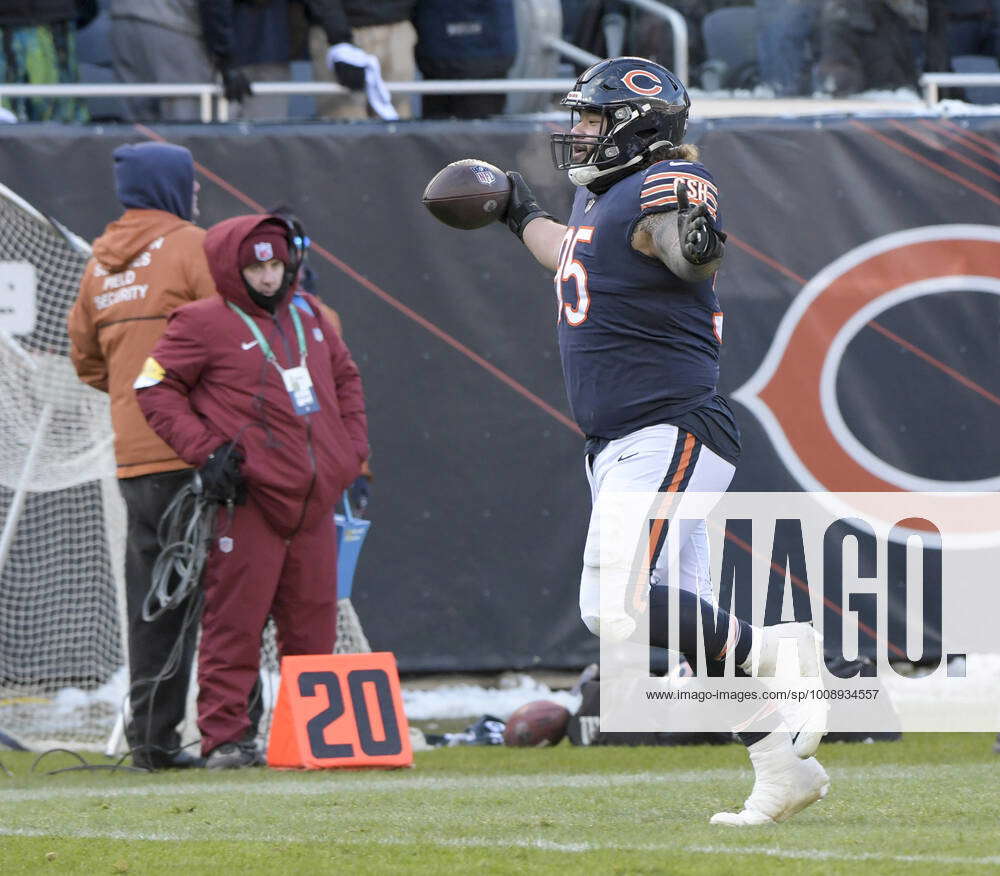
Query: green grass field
{"type": "Point", "coordinates": [928, 804]}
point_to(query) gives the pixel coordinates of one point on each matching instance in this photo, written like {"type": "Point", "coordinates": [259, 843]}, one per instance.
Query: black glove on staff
{"type": "Point", "coordinates": [220, 477]}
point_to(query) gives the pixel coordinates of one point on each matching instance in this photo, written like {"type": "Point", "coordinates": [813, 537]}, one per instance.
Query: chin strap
{"type": "Point", "coordinates": [602, 183]}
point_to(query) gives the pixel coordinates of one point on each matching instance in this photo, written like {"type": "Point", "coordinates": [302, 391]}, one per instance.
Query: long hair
{"type": "Point", "coordinates": [683, 152]}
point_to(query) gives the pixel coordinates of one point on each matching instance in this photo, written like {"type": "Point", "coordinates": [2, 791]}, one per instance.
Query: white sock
{"type": "Point", "coordinates": [776, 741]}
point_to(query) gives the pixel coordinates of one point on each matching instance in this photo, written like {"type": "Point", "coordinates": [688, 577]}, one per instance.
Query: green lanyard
{"type": "Point", "coordinates": [264, 345]}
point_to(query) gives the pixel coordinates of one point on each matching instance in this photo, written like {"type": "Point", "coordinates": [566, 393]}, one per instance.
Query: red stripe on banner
{"type": "Point", "coordinates": [905, 344]}
{"type": "Point", "coordinates": [376, 290]}
{"type": "Point", "coordinates": [937, 363]}
{"type": "Point", "coordinates": [933, 165]}
{"type": "Point", "coordinates": [928, 141]}
{"type": "Point", "coordinates": [971, 135]}
{"type": "Point", "coordinates": [938, 128]}
{"type": "Point", "coordinates": [767, 260]}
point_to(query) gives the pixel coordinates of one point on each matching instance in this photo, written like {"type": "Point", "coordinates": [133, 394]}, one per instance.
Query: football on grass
{"type": "Point", "coordinates": [468, 194]}
{"type": "Point", "coordinates": [535, 724]}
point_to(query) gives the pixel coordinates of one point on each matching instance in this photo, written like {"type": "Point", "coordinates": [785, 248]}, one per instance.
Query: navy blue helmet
{"type": "Point", "coordinates": [644, 107]}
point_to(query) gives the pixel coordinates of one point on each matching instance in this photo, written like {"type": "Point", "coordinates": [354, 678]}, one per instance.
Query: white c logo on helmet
{"type": "Point", "coordinates": [647, 90]}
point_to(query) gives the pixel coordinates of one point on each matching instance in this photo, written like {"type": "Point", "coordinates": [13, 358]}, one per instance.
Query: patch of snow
{"type": "Point", "coordinates": [111, 693]}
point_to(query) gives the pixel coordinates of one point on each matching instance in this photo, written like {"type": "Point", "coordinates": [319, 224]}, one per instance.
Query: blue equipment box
{"type": "Point", "coordinates": [351, 533]}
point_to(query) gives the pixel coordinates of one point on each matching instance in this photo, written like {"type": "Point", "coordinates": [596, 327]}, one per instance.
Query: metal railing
{"type": "Point", "coordinates": [574, 53]}
{"type": "Point", "coordinates": [203, 91]}
{"type": "Point", "coordinates": [680, 29]}
{"type": "Point", "coordinates": [677, 23]}
{"type": "Point", "coordinates": [214, 106]}
{"type": "Point", "coordinates": [933, 82]}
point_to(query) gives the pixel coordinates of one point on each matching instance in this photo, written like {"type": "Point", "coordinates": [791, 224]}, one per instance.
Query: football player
{"type": "Point", "coordinates": [639, 328]}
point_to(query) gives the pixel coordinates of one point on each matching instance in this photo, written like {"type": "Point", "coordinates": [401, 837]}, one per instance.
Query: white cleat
{"type": "Point", "coordinates": [783, 785]}
{"type": "Point", "coordinates": [807, 724]}
{"type": "Point", "coordinates": [789, 658]}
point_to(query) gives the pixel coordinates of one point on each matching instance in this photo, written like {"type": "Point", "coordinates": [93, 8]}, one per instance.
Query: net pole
{"type": "Point", "coordinates": [116, 521]}
{"type": "Point", "coordinates": [21, 491]}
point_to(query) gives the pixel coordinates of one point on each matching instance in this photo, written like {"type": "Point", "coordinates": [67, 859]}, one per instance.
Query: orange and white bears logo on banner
{"type": "Point", "coordinates": [793, 392]}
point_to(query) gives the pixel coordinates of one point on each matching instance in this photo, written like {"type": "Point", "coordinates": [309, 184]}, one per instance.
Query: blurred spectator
{"type": "Point", "coordinates": [262, 50]}
{"type": "Point", "coordinates": [465, 39]}
{"type": "Point", "coordinates": [266, 36]}
{"type": "Point", "coordinates": [869, 44]}
{"type": "Point", "coordinates": [646, 35]}
{"type": "Point", "coordinates": [731, 49]}
{"type": "Point", "coordinates": [786, 44]}
{"type": "Point", "coordinates": [932, 52]}
{"type": "Point", "coordinates": [973, 27]}
{"type": "Point", "coordinates": [180, 41]}
{"type": "Point", "coordinates": [381, 28]}
{"type": "Point", "coordinates": [39, 48]}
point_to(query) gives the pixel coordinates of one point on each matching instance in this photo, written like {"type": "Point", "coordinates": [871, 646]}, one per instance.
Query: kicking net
{"type": "Point", "coordinates": [61, 518]}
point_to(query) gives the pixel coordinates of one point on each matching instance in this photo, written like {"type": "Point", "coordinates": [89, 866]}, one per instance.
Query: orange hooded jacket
{"type": "Point", "coordinates": [145, 264]}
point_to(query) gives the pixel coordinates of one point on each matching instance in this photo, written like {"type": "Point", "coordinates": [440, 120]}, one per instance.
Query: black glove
{"type": "Point", "coordinates": [522, 206]}
{"type": "Point", "coordinates": [235, 84]}
{"type": "Point", "coordinates": [220, 479]}
{"type": "Point", "coordinates": [700, 241]}
{"type": "Point", "coordinates": [357, 493]}
{"type": "Point", "coordinates": [349, 75]}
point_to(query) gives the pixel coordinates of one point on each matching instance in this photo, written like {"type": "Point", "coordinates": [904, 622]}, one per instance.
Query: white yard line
{"type": "Point", "coordinates": [834, 855]}
{"type": "Point", "coordinates": [539, 844]}
{"type": "Point", "coordinates": [318, 783]}
{"type": "Point", "coordinates": [405, 781]}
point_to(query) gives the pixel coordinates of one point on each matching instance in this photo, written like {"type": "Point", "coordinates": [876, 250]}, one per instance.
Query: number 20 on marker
{"type": "Point", "coordinates": [339, 710]}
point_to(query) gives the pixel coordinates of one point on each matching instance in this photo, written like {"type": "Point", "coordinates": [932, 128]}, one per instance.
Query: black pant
{"type": "Point", "coordinates": [158, 704]}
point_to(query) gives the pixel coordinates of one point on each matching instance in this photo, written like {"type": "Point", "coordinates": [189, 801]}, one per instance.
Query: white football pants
{"type": "Point", "coordinates": [661, 459]}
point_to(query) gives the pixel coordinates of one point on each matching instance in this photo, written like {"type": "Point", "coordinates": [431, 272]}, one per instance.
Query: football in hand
{"type": "Point", "coordinates": [535, 724]}
{"type": "Point", "coordinates": [468, 194]}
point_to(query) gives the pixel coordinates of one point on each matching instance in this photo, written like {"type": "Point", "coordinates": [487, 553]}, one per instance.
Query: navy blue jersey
{"type": "Point", "coordinates": [639, 345]}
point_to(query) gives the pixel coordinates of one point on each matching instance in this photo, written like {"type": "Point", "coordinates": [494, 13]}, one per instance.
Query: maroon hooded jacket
{"type": "Point", "coordinates": [207, 382]}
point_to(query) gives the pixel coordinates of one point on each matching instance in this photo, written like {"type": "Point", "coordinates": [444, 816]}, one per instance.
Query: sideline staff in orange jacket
{"type": "Point", "coordinates": [146, 263]}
